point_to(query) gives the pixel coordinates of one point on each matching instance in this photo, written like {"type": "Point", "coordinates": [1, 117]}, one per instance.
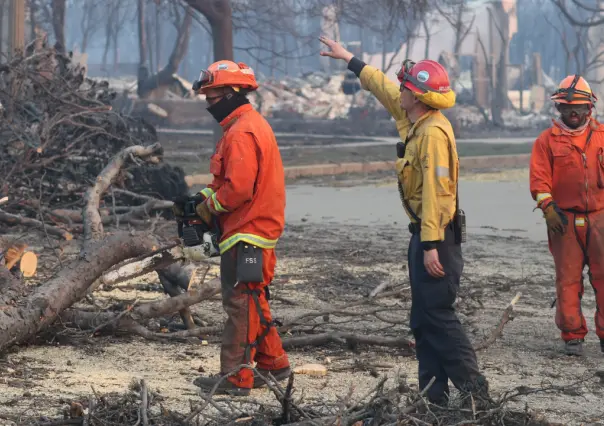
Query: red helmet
{"type": "Point", "coordinates": [226, 73]}
{"type": "Point", "coordinates": [425, 76]}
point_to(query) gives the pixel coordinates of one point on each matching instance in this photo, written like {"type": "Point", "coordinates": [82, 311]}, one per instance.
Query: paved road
{"type": "Point", "coordinates": [504, 208]}
{"type": "Point", "coordinates": [355, 141]}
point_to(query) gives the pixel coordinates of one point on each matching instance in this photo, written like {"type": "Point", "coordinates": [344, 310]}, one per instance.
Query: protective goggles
{"type": "Point", "coordinates": [205, 77]}
{"type": "Point", "coordinates": [403, 77]}
{"type": "Point", "coordinates": [573, 94]}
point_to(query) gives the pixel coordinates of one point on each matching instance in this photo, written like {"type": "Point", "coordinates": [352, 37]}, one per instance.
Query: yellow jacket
{"type": "Point", "coordinates": [430, 169]}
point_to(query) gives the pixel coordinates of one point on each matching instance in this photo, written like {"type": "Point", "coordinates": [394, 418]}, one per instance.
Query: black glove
{"type": "Point", "coordinates": [179, 203]}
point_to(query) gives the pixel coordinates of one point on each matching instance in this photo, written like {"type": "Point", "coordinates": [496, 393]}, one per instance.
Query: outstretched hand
{"type": "Point", "coordinates": [336, 50]}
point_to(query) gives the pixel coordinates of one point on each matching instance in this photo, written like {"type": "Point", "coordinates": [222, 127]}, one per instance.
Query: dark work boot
{"type": "Point", "coordinates": [225, 387]}
{"type": "Point", "coordinates": [279, 375]}
{"type": "Point", "coordinates": [477, 391]}
{"type": "Point", "coordinates": [602, 345]}
{"type": "Point", "coordinates": [574, 347]}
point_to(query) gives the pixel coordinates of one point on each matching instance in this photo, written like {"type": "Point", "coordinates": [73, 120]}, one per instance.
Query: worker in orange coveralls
{"type": "Point", "coordinates": [567, 181]}
{"type": "Point", "coordinates": [247, 194]}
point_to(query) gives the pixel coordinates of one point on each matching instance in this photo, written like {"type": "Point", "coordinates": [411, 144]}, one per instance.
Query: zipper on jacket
{"type": "Point", "coordinates": [586, 173]}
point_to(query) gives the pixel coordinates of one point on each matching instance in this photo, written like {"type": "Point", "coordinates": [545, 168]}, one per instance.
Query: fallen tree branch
{"type": "Point", "coordinates": [347, 338]}
{"type": "Point", "coordinates": [93, 225]}
{"type": "Point", "coordinates": [90, 320]}
{"type": "Point", "coordinates": [379, 289]}
{"type": "Point", "coordinates": [42, 307]}
{"type": "Point", "coordinates": [13, 219]}
{"type": "Point", "coordinates": [147, 263]}
{"type": "Point", "coordinates": [505, 318]}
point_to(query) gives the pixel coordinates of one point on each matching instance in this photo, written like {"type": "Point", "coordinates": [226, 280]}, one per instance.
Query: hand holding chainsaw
{"type": "Point", "coordinates": [197, 227]}
{"type": "Point", "coordinates": [201, 208]}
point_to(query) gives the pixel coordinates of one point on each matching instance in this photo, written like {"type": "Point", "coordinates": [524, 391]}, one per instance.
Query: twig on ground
{"type": "Point", "coordinates": [505, 318]}
{"type": "Point", "coordinates": [144, 403]}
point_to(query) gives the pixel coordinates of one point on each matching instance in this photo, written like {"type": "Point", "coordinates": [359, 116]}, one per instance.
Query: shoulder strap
{"type": "Point", "coordinates": [400, 187]}
{"type": "Point", "coordinates": [406, 203]}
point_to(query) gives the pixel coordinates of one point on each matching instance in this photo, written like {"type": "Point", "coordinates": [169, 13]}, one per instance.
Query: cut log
{"type": "Point", "coordinates": [22, 320]}
{"type": "Point", "coordinates": [28, 264]}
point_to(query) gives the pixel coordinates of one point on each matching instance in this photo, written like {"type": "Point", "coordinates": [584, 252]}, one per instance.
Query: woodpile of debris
{"type": "Point", "coordinates": [57, 132]}
{"type": "Point", "coordinates": [386, 404]}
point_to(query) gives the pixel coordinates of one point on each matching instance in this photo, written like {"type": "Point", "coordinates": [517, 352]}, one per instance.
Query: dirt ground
{"type": "Point", "coordinates": [322, 266]}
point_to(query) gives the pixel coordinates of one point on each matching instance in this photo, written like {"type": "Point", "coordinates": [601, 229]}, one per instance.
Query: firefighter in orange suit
{"type": "Point", "coordinates": [247, 195]}
{"type": "Point", "coordinates": [567, 182]}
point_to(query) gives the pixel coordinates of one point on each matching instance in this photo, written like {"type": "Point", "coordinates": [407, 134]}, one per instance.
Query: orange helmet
{"type": "Point", "coordinates": [226, 74]}
{"type": "Point", "coordinates": [574, 90]}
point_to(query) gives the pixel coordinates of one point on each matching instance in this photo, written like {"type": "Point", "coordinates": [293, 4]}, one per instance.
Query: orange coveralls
{"type": "Point", "coordinates": [248, 195]}
{"type": "Point", "coordinates": [569, 169]}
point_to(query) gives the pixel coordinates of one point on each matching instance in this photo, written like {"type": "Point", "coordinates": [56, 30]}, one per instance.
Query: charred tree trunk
{"type": "Point", "coordinates": [158, 39]}
{"type": "Point", "coordinates": [142, 33]}
{"type": "Point", "coordinates": [58, 24]}
{"type": "Point", "coordinates": [108, 31]}
{"type": "Point", "coordinates": [33, 9]}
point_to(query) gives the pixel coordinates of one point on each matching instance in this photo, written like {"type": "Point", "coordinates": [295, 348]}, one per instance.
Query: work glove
{"type": "Point", "coordinates": [555, 219]}
{"type": "Point", "coordinates": [180, 201]}
{"type": "Point", "coordinates": [203, 211]}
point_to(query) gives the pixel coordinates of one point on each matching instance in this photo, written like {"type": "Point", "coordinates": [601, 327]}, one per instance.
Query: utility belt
{"type": "Point", "coordinates": [416, 228]}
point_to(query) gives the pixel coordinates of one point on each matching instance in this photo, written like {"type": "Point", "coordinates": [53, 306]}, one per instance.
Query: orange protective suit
{"type": "Point", "coordinates": [568, 168]}
{"type": "Point", "coordinates": [248, 190]}
{"type": "Point", "coordinates": [248, 195]}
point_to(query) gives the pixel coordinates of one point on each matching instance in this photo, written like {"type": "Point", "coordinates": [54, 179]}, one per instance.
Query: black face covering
{"type": "Point", "coordinates": [229, 103]}
{"type": "Point", "coordinates": [574, 116]}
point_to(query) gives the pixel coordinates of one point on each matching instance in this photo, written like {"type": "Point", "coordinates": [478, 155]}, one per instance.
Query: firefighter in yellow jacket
{"type": "Point", "coordinates": [428, 171]}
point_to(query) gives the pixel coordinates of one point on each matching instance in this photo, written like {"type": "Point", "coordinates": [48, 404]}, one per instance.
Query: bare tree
{"type": "Point", "coordinates": [52, 17]}
{"type": "Point", "coordinates": [90, 22]}
{"type": "Point", "coordinates": [182, 18]}
{"type": "Point", "coordinates": [117, 16]}
{"type": "Point", "coordinates": [596, 12]}
{"type": "Point", "coordinates": [581, 42]}
{"type": "Point", "coordinates": [456, 12]}
{"type": "Point", "coordinates": [58, 23]}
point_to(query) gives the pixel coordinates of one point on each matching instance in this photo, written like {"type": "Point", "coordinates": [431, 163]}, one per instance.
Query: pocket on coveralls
{"type": "Point", "coordinates": [561, 151]}
{"type": "Point", "coordinates": [409, 177]}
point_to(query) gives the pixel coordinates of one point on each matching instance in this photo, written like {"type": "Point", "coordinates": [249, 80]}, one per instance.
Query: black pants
{"type": "Point", "coordinates": [443, 349]}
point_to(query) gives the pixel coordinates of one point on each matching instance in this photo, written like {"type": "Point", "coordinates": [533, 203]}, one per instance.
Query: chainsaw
{"type": "Point", "coordinates": [199, 240]}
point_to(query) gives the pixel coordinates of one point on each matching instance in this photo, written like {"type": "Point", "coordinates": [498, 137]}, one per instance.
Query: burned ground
{"type": "Point", "coordinates": [324, 269]}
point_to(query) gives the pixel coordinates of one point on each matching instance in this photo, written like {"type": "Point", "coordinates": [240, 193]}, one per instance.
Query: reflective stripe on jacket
{"type": "Point", "coordinates": [430, 169]}
{"type": "Point", "coordinates": [248, 189]}
{"type": "Point", "coordinates": [565, 170]}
